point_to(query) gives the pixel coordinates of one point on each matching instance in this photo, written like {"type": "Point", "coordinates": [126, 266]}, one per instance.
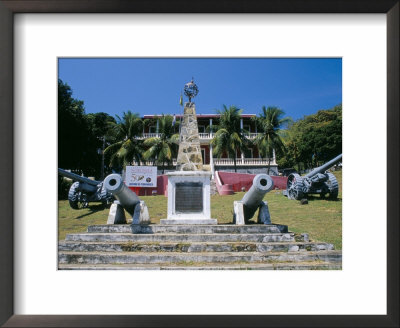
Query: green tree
{"type": "Point", "coordinates": [164, 148]}
{"type": "Point", "coordinates": [289, 156]}
{"type": "Point", "coordinates": [319, 136]}
{"type": "Point", "coordinates": [314, 139]}
{"type": "Point", "coordinates": [127, 146]}
{"type": "Point", "coordinates": [229, 137]}
{"type": "Point", "coordinates": [100, 124]}
{"type": "Point", "coordinates": [270, 124]}
{"type": "Point", "coordinates": [74, 136]}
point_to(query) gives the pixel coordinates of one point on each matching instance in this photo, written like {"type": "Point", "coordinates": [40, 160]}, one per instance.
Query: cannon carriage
{"type": "Point", "coordinates": [317, 181]}
{"type": "Point", "coordinates": [85, 190]}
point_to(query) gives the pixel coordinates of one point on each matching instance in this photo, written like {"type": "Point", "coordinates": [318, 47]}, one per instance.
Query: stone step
{"type": "Point", "coordinates": [208, 266]}
{"type": "Point", "coordinates": [199, 229]}
{"type": "Point", "coordinates": [189, 258]}
{"type": "Point", "coordinates": [213, 237]}
{"type": "Point", "coordinates": [226, 189]}
{"type": "Point", "coordinates": [191, 247]}
{"type": "Point", "coordinates": [213, 187]}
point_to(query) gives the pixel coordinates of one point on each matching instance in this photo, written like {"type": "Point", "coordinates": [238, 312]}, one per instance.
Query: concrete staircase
{"type": "Point", "coordinates": [201, 247]}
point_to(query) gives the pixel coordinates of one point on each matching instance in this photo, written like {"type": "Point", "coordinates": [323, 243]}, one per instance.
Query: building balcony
{"type": "Point", "coordinates": [243, 162]}
{"type": "Point", "coordinates": [148, 135]}
{"type": "Point", "coordinates": [209, 136]}
{"type": "Point", "coordinates": [203, 136]}
{"type": "Point", "coordinates": [224, 162]}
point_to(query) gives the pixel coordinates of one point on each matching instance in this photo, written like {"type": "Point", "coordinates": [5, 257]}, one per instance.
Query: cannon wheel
{"type": "Point", "coordinates": [76, 198]}
{"type": "Point", "coordinates": [294, 186]}
{"type": "Point", "coordinates": [333, 186]}
{"type": "Point", "coordinates": [73, 196]}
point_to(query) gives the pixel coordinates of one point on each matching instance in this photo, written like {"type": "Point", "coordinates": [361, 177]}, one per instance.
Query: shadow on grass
{"type": "Point", "coordinates": [92, 209]}
{"type": "Point", "coordinates": [317, 198]}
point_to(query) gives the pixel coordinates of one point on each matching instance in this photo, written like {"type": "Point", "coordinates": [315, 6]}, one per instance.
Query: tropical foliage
{"type": "Point", "coordinates": [303, 144]}
{"type": "Point", "coordinates": [229, 137]}
{"type": "Point", "coordinates": [80, 135]}
{"type": "Point", "coordinates": [127, 147]}
{"type": "Point", "coordinates": [73, 131]}
{"type": "Point", "coordinates": [269, 125]}
{"type": "Point", "coordinates": [164, 148]}
{"type": "Point", "coordinates": [313, 140]}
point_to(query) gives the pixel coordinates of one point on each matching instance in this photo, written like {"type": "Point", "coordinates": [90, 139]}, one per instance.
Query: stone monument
{"type": "Point", "coordinates": [189, 185]}
{"type": "Point", "coordinates": [189, 154]}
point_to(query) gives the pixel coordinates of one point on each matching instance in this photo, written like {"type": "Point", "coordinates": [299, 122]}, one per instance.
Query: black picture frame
{"type": "Point", "coordinates": [7, 10]}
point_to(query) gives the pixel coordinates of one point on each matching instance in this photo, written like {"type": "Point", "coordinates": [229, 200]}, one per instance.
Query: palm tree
{"type": "Point", "coordinates": [229, 137]}
{"type": "Point", "coordinates": [127, 146]}
{"type": "Point", "coordinates": [164, 148]}
{"type": "Point", "coordinates": [269, 124]}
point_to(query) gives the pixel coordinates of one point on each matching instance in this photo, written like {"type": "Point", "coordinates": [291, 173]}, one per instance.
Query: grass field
{"type": "Point", "coordinates": [320, 218]}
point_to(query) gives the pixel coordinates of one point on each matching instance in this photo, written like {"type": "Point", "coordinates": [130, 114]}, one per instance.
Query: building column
{"type": "Point", "coordinates": [211, 131]}
{"type": "Point", "coordinates": [211, 162]}
{"type": "Point", "coordinates": [157, 126]}
{"type": "Point", "coordinates": [241, 129]}
{"type": "Point", "coordinates": [273, 157]}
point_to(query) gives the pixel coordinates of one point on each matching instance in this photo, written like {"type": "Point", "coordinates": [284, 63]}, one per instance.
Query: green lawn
{"type": "Point", "coordinates": [320, 218]}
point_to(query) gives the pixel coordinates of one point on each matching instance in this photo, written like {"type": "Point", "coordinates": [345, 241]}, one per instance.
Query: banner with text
{"type": "Point", "coordinates": [141, 176]}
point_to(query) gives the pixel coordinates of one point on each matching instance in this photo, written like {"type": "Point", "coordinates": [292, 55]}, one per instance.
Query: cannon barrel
{"type": "Point", "coordinates": [116, 186]}
{"type": "Point", "coordinates": [77, 177]}
{"type": "Point", "coordinates": [85, 184]}
{"type": "Point", "coordinates": [262, 183]}
{"type": "Point", "coordinates": [323, 168]}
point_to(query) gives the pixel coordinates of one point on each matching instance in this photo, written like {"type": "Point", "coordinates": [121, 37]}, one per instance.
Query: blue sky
{"type": "Point", "coordinates": [153, 85]}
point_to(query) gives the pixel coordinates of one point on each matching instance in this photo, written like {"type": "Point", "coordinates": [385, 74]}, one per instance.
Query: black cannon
{"type": "Point", "coordinates": [253, 200]}
{"type": "Point", "coordinates": [316, 182]}
{"type": "Point", "coordinates": [126, 199]}
{"type": "Point", "coordinates": [84, 190]}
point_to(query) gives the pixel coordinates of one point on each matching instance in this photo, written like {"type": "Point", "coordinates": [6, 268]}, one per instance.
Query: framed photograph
{"type": "Point", "coordinates": [34, 34]}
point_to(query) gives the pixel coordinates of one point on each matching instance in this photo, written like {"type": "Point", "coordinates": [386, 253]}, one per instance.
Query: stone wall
{"type": "Point", "coordinates": [273, 170]}
{"type": "Point", "coordinates": [239, 180]}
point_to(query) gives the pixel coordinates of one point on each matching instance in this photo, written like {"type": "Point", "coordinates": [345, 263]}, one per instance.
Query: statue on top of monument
{"type": "Point", "coordinates": [191, 90]}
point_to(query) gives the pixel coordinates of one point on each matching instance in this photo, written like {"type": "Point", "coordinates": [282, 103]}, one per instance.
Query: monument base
{"type": "Point", "coordinates": [189, 198]}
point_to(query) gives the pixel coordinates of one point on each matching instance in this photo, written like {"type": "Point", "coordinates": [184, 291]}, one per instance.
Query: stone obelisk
{"type": "Point", "coordinates": [189, 154]}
